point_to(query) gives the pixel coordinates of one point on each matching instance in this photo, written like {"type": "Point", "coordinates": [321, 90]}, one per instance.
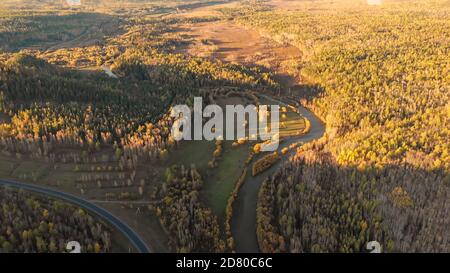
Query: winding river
{"type": "Point", "coordinates": [243, 223]}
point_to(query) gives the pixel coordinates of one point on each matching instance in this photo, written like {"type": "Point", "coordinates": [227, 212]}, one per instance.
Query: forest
{"type": "Point", "coordinates": [379, 78]}
{"type": "Point", "coordinates": [50, 105]}
{"type": "Point", "coordinates": [313, 204]}
{"type": "Point", "coordinates": [67, 125]}
{"type": "Point", "coordinates": [382, 84]}
{"type": "Point", "coordinates": [36, 224]}
{"type": "Point", "coordinates": [192, 227]}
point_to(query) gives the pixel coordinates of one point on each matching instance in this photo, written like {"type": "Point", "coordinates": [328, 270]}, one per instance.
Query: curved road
{"type": "Point", "coordinates": [243, 222]}
{"type": "Point", "coordinates": [135, 240]}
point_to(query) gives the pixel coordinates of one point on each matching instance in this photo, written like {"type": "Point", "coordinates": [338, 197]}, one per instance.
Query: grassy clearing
{"type": "Point", "coordinates": [193, 152]}
{"type": "Point", "coordinates": [6, 167]}
{"type": "Point", "coordinates": [291, 122]}
{"type": "Point", "coordinates": [30, 170]}
{"type": "Point", "coordinates": [220, 183]}
{"type": "Point", "coordinates": [65, 180]}
{"type": "Point", "coordinates": [291, 125]}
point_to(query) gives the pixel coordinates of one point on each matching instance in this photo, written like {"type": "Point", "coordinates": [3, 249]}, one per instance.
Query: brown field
{"type": "Point", "coordinates": [229, 42]}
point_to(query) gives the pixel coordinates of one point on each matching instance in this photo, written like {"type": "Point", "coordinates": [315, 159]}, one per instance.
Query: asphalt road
{"type": "Point", "coordinates": [135, 240]}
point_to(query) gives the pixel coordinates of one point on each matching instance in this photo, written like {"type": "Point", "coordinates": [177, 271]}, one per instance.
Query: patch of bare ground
{"type": "Point", "coordinates": [91, 36]}
{"type": "Point", "coordinates": [228, 42]}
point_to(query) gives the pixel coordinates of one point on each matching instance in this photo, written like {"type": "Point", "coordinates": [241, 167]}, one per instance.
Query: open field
{"type": "Point", "coordinates": [86, 92]}
{"type": "Point", "coordinates": [232, 43]}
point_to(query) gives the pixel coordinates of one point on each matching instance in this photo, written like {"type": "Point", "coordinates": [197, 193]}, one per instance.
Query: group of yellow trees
{"type": "Point", "coordinates": [48, 225]}
{"type": "Point", "coordinates": [191, 226]}
{"type": "Point", "coordinates": [384, 71]}
{"type": "Point", "coordinates": [312, 204]}
{"type": "Point", "coordinates": [264, 163]}
{"type": "Point", "coordinates": [380, 79]}
{"type": "Point", "coordinates": [54, 113]}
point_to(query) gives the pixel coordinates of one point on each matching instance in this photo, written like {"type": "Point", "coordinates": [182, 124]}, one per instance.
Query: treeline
{"type": "Point", "coordinates": [176, 69]}
{"type": "Point", "coordinates": [57, 114]}
{"type": "Point", "coordinates": [191, 226]}
{"type": "Point", "coordinates": [31, 223]}
{"type": "Point", "coordinates": [52, 107]}
{"type": "Point", "coordinates": [312, 204]}
{"type": "Point", "coordinates": [378, 77]}
{"type": "Point", "coordinates": [381, 75]}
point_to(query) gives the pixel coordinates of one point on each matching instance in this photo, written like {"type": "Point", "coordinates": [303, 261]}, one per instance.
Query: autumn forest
{"type": "Point", "coordinates": [87, 152]}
